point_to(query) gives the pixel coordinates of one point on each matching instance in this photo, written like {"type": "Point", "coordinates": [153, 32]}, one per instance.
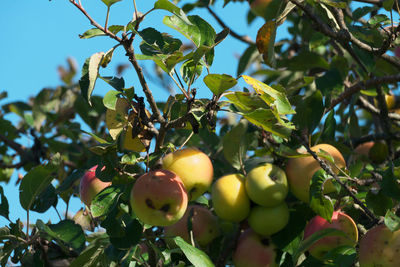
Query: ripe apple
{"type": "Point", "coordinates": [340, 221]}
{"type": "Point", "coordinates": [159, 198]}
{"type": "Point", "coordinates": [380, 247]}
{"type": "Point", "coordinates": [299, 171]}
{"type": "Point", "coordinates": [268, 220]}
{"type": "Point", "coordinates": [267, 185]}
{"type": "Point", "coordinates": [90, 186]}
{"type": "Point", "coordinates": [230, 199]}
{"type": "Point", "coordinates": [193, 167]}
{"type": "Point", "coordinates": [254, 250]}
{"type": "Point", "coordinates": [204, 226]}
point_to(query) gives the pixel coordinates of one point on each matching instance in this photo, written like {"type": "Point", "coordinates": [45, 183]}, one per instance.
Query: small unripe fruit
{"type": "Point", "coordinates": [90, 186]}
{"type": "Point", "coordinates": [269, 220]}
{"type": "Point", "coordinates": [159, 198]}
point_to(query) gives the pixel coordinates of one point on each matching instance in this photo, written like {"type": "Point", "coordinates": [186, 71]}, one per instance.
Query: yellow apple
{"type": "Point", "coordinates": [380, 247]}
{"type": "Point", "coordinates": [268, 220]}
{"type": "Point", "coordinates": [267, 185]}
{"type": "Point", "coordinates": [340, 221]}
{"type": "Point", "coordinates": [159, 198]}
{"type": "Point", "coordinates": [254, 250]}
{"type": "Point", "coordinates": [193, 167]}
{"type": "Point", "coordinates": [205, 226]}
{"type": "Point", "coordinates": [230, 199]}
{"type": "Point", "coordinates": [90, 186]}
{"type": "Point", "coordinates": [299, 171]}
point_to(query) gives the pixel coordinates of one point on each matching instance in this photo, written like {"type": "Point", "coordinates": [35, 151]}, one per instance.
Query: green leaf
{"type": "Point", "coordinates": [390, 185]}
{"type": "Point", "coordinates": [388, 4]}
{"type": "Point", "coordinates": [36, 181]}
{"type": "Point", "coordinates": [45, 200]}
{"type": "Point", "coordinates": [90, 257]}
{"type": "Point", "coordinates": [279, 99]}
{"type": "Point", "coordinates": [378, 202]}
{"type": "Point", "coordinates": [304, 61]}
{"type": "Point", "coordinates": [379, 19]}
{"type": "Point", "coordinates": [110, 99]}
{"type": "Point", "coordinates": [198, 31]}
{"type": "Point", "coordinates": [219, 83]}
{"type": "Point", "coordinates": [98, 139]}
{"type": "Point", "coordinates": [309, 112]}
{"type": "Point", "coordinates": [110, 2]}
{"type": "Point", "coordinates": [190, 70]}
{"type": "Point", "coordinates": [66, 232]}
{"type": "Point", "coordinates": [234, 147]}
{"type": "Point", "coordinates": [167, 5]}
{"type": "Point", "coordinates": [90, 72]}
{"type": "Point", "coordinates": [319, 203]}
{"type": "Point", "coordinates": [329, 126]}
{"type": "Point", "coordinates": [246, 59]}
{"type": "Point", "coordinates": [392, 221]}
{"type": "Point", "coordinates": [197, 257]}
{"type": "Point", "coordinates": [105, 201]}
{"type": "Point", "coordinates": [4, 207]}
{"type": "Point", "coordinates": [307, 243]}
{"type": "Point", "coordinates": [92, 33]}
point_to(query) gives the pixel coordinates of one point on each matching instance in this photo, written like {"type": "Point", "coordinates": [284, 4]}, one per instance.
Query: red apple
{"type": "Point", "coordinates": [340, 221]}
{"type": "Point", "coordinates": [159, 198]}
{"type": "Point", "coordinates": [204, 226]}
{"type": "Point", "coordinates": [380, 247]}
{"type": "Point", "coordinates": [90, 186]}
{"type": "Point", "coordinates": [254, 250]}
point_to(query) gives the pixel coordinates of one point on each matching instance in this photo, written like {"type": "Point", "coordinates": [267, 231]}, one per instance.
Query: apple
{"type": "Point", "coordinates": [268, 220]}
{"type": "Point", "coordinates": [83, 218]}
{"type": "Point", "coordinates": [193, 167]}
{"type": "Point", "coordinates": [340, 221]}
{"type": "Point", "coordinates": [254, 250]}
{"type": "Point", "coordinates": [90, 186]}
{"type": "Point", "coordinates": [378, 152]}
{"type": "Point", "coordinates": [267, 185]}
{"type": "Point", "coordinates": [159, 198]}
{"type": "Point", "coordinates": [380, 247]}
{"type": "Point", "coordinates": [299, 171]}
{"type": "Point", "coordinates": [230, 199]}
{"type": "Point", "coordinates": [204, 226]}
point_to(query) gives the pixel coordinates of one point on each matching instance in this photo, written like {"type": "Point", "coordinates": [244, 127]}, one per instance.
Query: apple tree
{"type": "Point", "coordinates": [291, 161]}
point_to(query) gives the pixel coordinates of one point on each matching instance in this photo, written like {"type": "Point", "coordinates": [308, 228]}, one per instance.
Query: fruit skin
{"type": "Point", "coordinates": [267, 185]}
{"type": "Point", "coordinates": [340, 221]}
{"type": "Point", "coordinates": [380, 247]}
{"type": "Point", "coordinates": [204, 226]}
{"type": "Point", "coordinates": [230, 199]}
{"type": "Point", "coordinates": [254, 250]}
{"type": "Point", "coordinates": [268, 220]}
{"type": "Point", "coordinates": [299, 171]}
{"type": "Point", "coordinates": [193, 167]}
{"type": "Point", "coordinates": [159, 198]}
{"type": "Point", "coordinates": [90, 186]}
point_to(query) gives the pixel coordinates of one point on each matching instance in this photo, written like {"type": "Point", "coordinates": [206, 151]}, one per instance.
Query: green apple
{"type": "Point", "coordinates": [254, 250]}
{"type": "Point", "coordinates": [299, 171]}
{"type": "Point", "coordinates": [268, 220]}
{"type": "Point", "coordinates": [159, 198]}
{"type": "Point", "coordinates": [230, 199]}
{"type": "Point", "coordinates": [193, 167]}
{"type": "Point", "coordinates": [267, 185]}
{"type": "Point", "coordinates": [380, 247]}
{"type": "Point", "coordinates": [340, 221]}
{"type": "Point", "coordinates": [205, 226]}
{"type": "Point", "coordinates": [83, 218]}
{"type": "Point", "coordinates": [90, 186]}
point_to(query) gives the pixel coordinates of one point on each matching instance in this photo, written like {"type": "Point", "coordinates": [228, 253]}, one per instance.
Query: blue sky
{"type": "Point", "coordinates": [39, 35]}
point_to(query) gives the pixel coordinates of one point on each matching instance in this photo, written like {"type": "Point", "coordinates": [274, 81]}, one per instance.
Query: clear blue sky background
{"type": "Point", "coordinates": [38, 35]}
